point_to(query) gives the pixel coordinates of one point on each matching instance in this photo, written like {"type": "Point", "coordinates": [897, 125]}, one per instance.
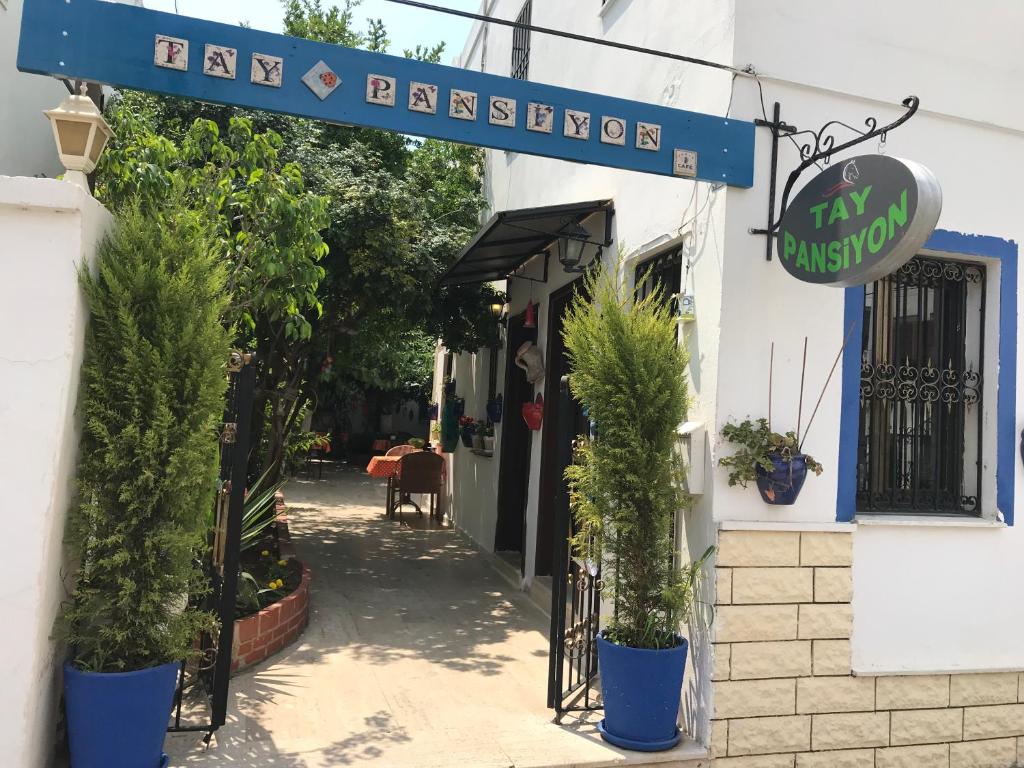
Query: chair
{"type": "Point", "coordinates": [420, 473]}
{"type": "Point", "coordinates": [398, 450]}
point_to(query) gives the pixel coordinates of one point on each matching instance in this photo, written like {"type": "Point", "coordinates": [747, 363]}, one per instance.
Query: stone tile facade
{"type": "Point", "coordinates": [784, 694]}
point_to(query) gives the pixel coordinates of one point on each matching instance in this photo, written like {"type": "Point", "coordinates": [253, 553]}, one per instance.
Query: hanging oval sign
{"type": "Point", "coordinates": [859, 220]}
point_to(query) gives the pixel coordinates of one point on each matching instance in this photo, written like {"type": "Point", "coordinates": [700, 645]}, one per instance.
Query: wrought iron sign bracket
{"type": "Point", "coordinates": [819, 147]}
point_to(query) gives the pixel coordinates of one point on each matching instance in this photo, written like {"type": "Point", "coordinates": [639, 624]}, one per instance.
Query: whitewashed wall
{"type": "Point", "coordinates": [651, 213]}
{"type": "Point", "coordinates": [26, 140]}
{"type": "Point", "coordinates": [49, 229]}
{"type": "Point", "coordinates": [927, 597]}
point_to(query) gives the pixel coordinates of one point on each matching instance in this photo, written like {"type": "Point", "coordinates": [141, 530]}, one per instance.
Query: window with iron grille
{"type": "Point", "coordinates": [663, 271]}
{"type": "Point", "coordinates": [521, 44]}
{"type": "Point", "coordinates": [919, 447]}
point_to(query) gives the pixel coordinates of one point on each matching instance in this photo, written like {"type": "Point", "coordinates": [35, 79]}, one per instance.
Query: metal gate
{"type": "Point", "coordinates": [210, 677]}
{"type": "Point", "coordinates": [575, 597]}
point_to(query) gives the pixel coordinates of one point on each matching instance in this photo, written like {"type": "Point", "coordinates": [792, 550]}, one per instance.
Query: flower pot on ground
{"type": "Point", "coordinates": [121, 711]}
{"type": "Point", "coordinates": [645, 723]}
{"type": "Point", "coordinates": [629, 373]}
{"type": "Point", "coordinates": [152, 395]}
{"type": "Point", "coordinates": [772, 460]}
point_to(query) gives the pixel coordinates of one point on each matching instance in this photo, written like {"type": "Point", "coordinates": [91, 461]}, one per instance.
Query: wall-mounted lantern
{"type": "Point", "coordinates": [573, 240]}
{"type": "Point", "coordinates": [81, 134]}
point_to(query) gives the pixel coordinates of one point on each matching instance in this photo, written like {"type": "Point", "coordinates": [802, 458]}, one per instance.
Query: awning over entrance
{"type": "Point", "coordinates": [511, 238]}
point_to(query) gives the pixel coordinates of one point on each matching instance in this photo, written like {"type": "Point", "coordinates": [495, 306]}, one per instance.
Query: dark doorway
{"type": "Point", "coordinates": [552, 467]}
{"type": "Point", "coordinates": [516, 438]}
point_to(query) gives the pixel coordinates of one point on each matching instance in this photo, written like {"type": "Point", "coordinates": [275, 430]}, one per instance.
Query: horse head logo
{"type": "Point", "coordinates": [850, 172]}
{"type": "Point", "coordinates": [850, 175]}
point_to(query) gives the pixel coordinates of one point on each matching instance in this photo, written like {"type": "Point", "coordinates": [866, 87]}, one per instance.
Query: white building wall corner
{"type": "Point", "coordinates": [50, 229]}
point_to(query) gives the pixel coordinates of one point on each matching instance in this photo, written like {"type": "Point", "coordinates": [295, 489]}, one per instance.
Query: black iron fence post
{"type": "Point", "coordinates": [233, 541]}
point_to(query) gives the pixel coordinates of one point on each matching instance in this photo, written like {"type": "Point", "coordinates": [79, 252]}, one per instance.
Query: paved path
{"type": "Point", "coordinates": [418, 653]}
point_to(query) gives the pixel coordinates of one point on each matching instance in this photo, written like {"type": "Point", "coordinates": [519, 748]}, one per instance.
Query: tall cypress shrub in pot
{"type": "Point", "coordinates": [153, 387]}
{"type": "Point", "coordinates": [629, 372]}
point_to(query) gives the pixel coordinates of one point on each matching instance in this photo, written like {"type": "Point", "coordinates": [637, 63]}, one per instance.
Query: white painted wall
{"type": "Point", "coordinates": [650, 212]}
{"type": "Point", "coordinates": [26, 139]}
{"type": "Point", "coordinates": [927, 597]}
{"type": "Point", "coordinates": [49, 229]}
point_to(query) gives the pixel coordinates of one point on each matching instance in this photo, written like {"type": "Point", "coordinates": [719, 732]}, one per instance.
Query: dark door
{"type": "Point", "coordinates": [553, 466]}
{"type": "Point", "coordinates": [514, 473]}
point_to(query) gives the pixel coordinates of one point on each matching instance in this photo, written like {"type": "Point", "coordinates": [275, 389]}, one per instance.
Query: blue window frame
{"type": "Point", "coordinates": [954, 244]}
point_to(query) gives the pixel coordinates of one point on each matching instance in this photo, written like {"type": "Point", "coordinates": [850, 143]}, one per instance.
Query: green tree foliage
{"type": "Point", "coordinates": [267, 225]}
{"type": "Point", "coordinates": [395, 214]}
{"type": "Point", "coordinates": [152, 394]}
{"type": "Point", "coordinates": [629, 372]}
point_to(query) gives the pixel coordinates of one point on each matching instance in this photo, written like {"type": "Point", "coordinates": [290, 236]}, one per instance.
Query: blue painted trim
{"type": "Point", "coordinates": [113, 43]}
{"type": "Point", "coordinates": [849, 417]}
{"type": "Point", "coordinates": [958, 243]}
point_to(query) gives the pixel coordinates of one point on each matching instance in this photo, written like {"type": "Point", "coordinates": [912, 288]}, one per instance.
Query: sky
{"type": "Point", "coordinates": [406, 26]}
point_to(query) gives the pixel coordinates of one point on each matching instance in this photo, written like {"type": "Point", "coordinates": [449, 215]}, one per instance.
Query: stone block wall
{"type": "Point", "coordinates": [784, 694]}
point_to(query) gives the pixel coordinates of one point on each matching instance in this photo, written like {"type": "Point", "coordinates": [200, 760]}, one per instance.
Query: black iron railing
{"type": "Point", "coordinates": [575, 599]}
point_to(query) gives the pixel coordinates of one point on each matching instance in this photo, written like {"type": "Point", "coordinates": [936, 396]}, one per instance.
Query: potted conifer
{"type": "Point", "coordinates": [152, 394]}
{"type": "Point", "coordinates": [629, 372]}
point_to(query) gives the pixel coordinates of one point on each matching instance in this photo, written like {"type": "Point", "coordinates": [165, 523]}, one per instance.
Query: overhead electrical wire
{"type": "Point", "coordinates": [571, 36]}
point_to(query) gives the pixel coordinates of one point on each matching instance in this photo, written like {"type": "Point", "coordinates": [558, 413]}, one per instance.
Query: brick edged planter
{"type": "Point", "coordinates": [265, 633]}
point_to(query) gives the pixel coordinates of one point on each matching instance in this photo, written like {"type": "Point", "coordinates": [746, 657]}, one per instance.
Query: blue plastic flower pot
{"type": "Point", "coordinates": [782, 485]}
{"type": "Point", "coordinates": [119, 719]}
{"type": "Point", "coordinates": [641, 690]}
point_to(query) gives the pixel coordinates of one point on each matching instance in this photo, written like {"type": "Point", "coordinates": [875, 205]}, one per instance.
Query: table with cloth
{"type": "Point", "coordinates": [389, 468]}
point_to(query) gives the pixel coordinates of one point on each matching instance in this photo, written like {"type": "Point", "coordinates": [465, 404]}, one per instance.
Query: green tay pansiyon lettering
{"type": "Point", "coordinates": [858, 220]}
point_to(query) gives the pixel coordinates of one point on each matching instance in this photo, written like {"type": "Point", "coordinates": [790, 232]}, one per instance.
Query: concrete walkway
{"type": "Point", "coordinates": [418, 653]}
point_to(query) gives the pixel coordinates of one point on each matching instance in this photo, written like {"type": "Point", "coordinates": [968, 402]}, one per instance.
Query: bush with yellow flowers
{"type": "Point", "coordinates": [265, 579]}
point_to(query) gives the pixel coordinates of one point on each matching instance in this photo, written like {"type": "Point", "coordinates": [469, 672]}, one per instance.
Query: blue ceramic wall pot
{"type": "Point", "coordinates": [782, 485]}
{"type": "Point", "coordinates": [494, 408]}
{"type": "Point", "coordinates": [641, 690]}
{"type": "Point", "coordinates": [119, 719]}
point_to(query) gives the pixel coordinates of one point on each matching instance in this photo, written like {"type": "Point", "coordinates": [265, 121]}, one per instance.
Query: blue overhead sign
{"type": "Point", "coordinates": [123, 45]}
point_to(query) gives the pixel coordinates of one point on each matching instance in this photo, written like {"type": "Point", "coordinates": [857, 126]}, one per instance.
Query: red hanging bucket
{"type": "Point", "coordinates": [533, 413]}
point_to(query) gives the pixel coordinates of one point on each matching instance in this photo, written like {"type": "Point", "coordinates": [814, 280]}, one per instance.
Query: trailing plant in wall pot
{"type": "Point", "coordinates": [774, 461]}
{"type": "Point", "coordinates": [151, 397]}
{"type": "Point", "coordinates": [629, 373]}
{"type": "Point", "coordinates": [771, 460]}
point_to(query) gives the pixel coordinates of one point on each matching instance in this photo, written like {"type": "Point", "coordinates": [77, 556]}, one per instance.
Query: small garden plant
{"type": "Point", "coordinates": [151, 398]}
{"type": "Point", "coordinates": [629, 372]}
{"type": "Point", "coordinates": [264, 579]}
